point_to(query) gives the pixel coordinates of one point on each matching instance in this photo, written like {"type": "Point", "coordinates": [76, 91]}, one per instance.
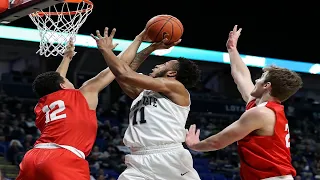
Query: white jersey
{"type": "Point", "coordinates": [155, 120]}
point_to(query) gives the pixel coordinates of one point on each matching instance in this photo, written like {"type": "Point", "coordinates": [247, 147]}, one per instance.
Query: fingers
{"type": "Point", "coordinates": [113, 32]}
{"type": "Point", "coordinates": [105, 34]}
{"type": "Point", "coordinates": [165, 40]}
{"type": "Point", "coordinates": [71, 42]}
{"type": "Point", "coordinates": [166, 36]}
{"type": "Point", "coordinates": [192, 128]}
{"type": "Point", "coordinates": [198, 133]}
{"type": "Point", "coordinates": [177, 42]}
{"type": "Point", "coordinates": [231, 34]}
{"type": "Point", "coordinates": [98, 34]}
{"type": "Point", "coordinates": [94, 37]}
{"type": "Point", "coordinates": [235, 28]}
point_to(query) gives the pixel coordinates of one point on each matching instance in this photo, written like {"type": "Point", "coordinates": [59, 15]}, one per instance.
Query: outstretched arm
{"type": "Point", "coordinates": [130, 54]}
{"type": "Point", "coordinates": [251, 120]}
{"type": "Point", "coordinates": [93, 86]}
{"type": "Point", "coordinates": [125, 74]}
{"type": "Point", "coordinates": [138, 58]}
{"type": "Point", "coordinates": [67, 57]}
{"type": "Point", "coordinates": [239, 70]}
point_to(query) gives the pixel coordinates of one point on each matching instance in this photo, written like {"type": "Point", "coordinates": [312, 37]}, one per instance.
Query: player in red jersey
{"type": "Point", "coordinates": [67, 120]}
{"type": "Point", "coordinates": [262, 131]}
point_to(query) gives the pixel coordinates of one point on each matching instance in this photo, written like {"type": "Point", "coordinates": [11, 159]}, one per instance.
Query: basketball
{"type": "Point", "coordinates": [161, 25]}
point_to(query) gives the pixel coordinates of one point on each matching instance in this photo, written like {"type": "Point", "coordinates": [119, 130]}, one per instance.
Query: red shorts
{"type": "Point", "coordinates": [53, 164]}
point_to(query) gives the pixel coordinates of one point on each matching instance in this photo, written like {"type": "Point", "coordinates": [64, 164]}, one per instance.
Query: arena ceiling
{"type": "Point", "coordinates": [207, 24]}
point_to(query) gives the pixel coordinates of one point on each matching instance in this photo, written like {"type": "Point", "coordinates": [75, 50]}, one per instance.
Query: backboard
{"type": "Point", "coordinates": [20, 8]}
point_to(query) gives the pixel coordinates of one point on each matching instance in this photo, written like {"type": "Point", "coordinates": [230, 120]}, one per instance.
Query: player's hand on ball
{"type": "Point", "coordinates": [106, 41]}
{"type": "Point", "coordinates": [143, 36]}
{"type": "Point", "coordinates": [69, 51]}
{"type": "Point", "coordinates": [233, 38]}
{"type": "Point", "coordinates": [192, 136]}
{"type": "Point", "coordinates": [164, 45]}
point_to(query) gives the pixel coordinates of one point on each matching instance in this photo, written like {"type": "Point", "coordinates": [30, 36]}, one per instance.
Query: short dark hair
{"type": "Point", "coordinates": [188, 72]}
{"type": "Point", "coordinates": [284, 82]}
{"type": "Point", "coordinates": [47, 83]}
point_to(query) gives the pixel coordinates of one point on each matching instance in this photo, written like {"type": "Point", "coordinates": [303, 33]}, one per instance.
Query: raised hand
{"type": "Point", "coordinates": [158, 45]}
{"type": "Point", "coordinates": [143, 36]}
{"type": "Point", "coordinates": [192, 137]}
{"type": "Point", "coordinates": [69, 51]}
{"type": "Point", "coordinates": [233, 38]}
{"type": "Point", "coordinates": [164, 45]}
{"type": "Point", "coordinates": [105, 42]}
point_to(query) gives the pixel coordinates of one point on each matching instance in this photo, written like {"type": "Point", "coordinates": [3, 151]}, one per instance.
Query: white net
{"type": "Point", "coordinates": [58, 24]}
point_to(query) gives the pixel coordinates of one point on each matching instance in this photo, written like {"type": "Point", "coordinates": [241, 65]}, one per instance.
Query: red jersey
{"type": "Point", "coordinates": [267, 156]}
{"type": "Point", "coordinates": [64, 118]}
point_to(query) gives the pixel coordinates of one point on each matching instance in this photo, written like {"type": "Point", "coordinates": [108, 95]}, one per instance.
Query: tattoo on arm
{"type": "Point", "coordinates": [140, 57]}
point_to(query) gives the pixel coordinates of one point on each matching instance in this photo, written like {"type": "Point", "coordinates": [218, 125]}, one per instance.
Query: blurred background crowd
{"type": "Point", "coordinates": [214, 106]}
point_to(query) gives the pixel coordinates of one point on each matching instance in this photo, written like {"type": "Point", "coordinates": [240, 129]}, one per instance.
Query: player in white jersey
{"type": "Point", "coordinates": [158, 114]}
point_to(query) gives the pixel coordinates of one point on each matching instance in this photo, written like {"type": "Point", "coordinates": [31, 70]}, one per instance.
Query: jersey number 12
{"type": "Point", "coordinates": [52, 115]}
{"type": "Point", "coordinates": [142, 120]}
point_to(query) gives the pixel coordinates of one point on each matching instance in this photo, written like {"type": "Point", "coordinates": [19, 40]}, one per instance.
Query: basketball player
{"type": "Point", "coordinates": [157, 117]}
{"type": "Point", "coordinates": [67, 120]}
{"type": "Point", "coordinates": [262, 132]}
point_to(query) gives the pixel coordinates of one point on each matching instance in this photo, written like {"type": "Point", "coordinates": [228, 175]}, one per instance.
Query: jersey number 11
{"type": "Point", "coordinates": [142, 120]}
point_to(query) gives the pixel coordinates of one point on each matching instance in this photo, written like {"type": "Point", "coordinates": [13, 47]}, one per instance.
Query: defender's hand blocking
{"type": "Point", "coordinates": [69, 52]}
{"type": "Point", "coordinates": [233, 37]}
{"type": "Point", "coordinates": [105, 41]}
{"type": "Point", "coordinates": [192, 136]}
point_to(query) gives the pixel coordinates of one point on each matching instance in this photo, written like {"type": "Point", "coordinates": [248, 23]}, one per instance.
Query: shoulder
{"type": "Point", "coordinates": [261, 113]}
{"type": "Point", "coordinates": [171, 83]}
{"type": "Point", "coordinates": [176, 91]}
{"type": "Point", "coordinates": [174, 86]}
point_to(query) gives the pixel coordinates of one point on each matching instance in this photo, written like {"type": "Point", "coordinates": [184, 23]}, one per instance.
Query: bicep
{"type": "Point", "coordinates": [233, 133]}
{"type": "Point", "coordinates": [99, 82]}
{"type": "Point", "coordinates": [145, 82]}
{"type": "Point", "coordinates": [250, 121]}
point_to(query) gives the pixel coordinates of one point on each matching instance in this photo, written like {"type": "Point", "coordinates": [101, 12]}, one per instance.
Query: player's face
{"type": "Point", "coordinates": [67, 84]}
{"type": "Point", "coordinates": [261, 86]}
{"type": "Point", "coordinates": [164, 70]}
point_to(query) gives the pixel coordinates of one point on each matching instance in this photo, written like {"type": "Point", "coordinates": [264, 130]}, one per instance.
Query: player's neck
{"type": "Point", "coordinates": [267, 97]}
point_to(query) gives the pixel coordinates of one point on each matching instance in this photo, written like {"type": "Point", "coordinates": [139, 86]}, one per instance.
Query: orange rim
{"type": "Point", "coordinates": [66, 13]}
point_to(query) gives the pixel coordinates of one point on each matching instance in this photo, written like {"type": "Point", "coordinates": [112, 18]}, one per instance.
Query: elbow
{"type": "Point", "coordinates": [124, 77]}
{"type": "Point", "coordinates": [120, 71]}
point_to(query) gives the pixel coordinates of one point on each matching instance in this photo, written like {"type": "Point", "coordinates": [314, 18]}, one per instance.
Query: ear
{"type": "Point", "coordinates": [62, 86]}
{"type": "Point", "coordinates": [171, 73]}
{"type": "Point", "coordinates": [267, 85]}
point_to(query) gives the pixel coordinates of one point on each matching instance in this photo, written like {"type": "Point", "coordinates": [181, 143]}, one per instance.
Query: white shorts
{"type": "Point", "coordinates": [169, 162]}
{"type": "Point", "coordinates": [286, 177]}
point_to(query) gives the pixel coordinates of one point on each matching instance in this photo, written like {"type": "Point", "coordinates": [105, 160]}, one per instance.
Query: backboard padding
{"type": "Point", "coordinates": [25, 8]}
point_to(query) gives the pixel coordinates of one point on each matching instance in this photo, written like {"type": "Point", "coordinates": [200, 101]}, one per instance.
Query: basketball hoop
{"type": "Point", "coordinates": [59, 23]}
